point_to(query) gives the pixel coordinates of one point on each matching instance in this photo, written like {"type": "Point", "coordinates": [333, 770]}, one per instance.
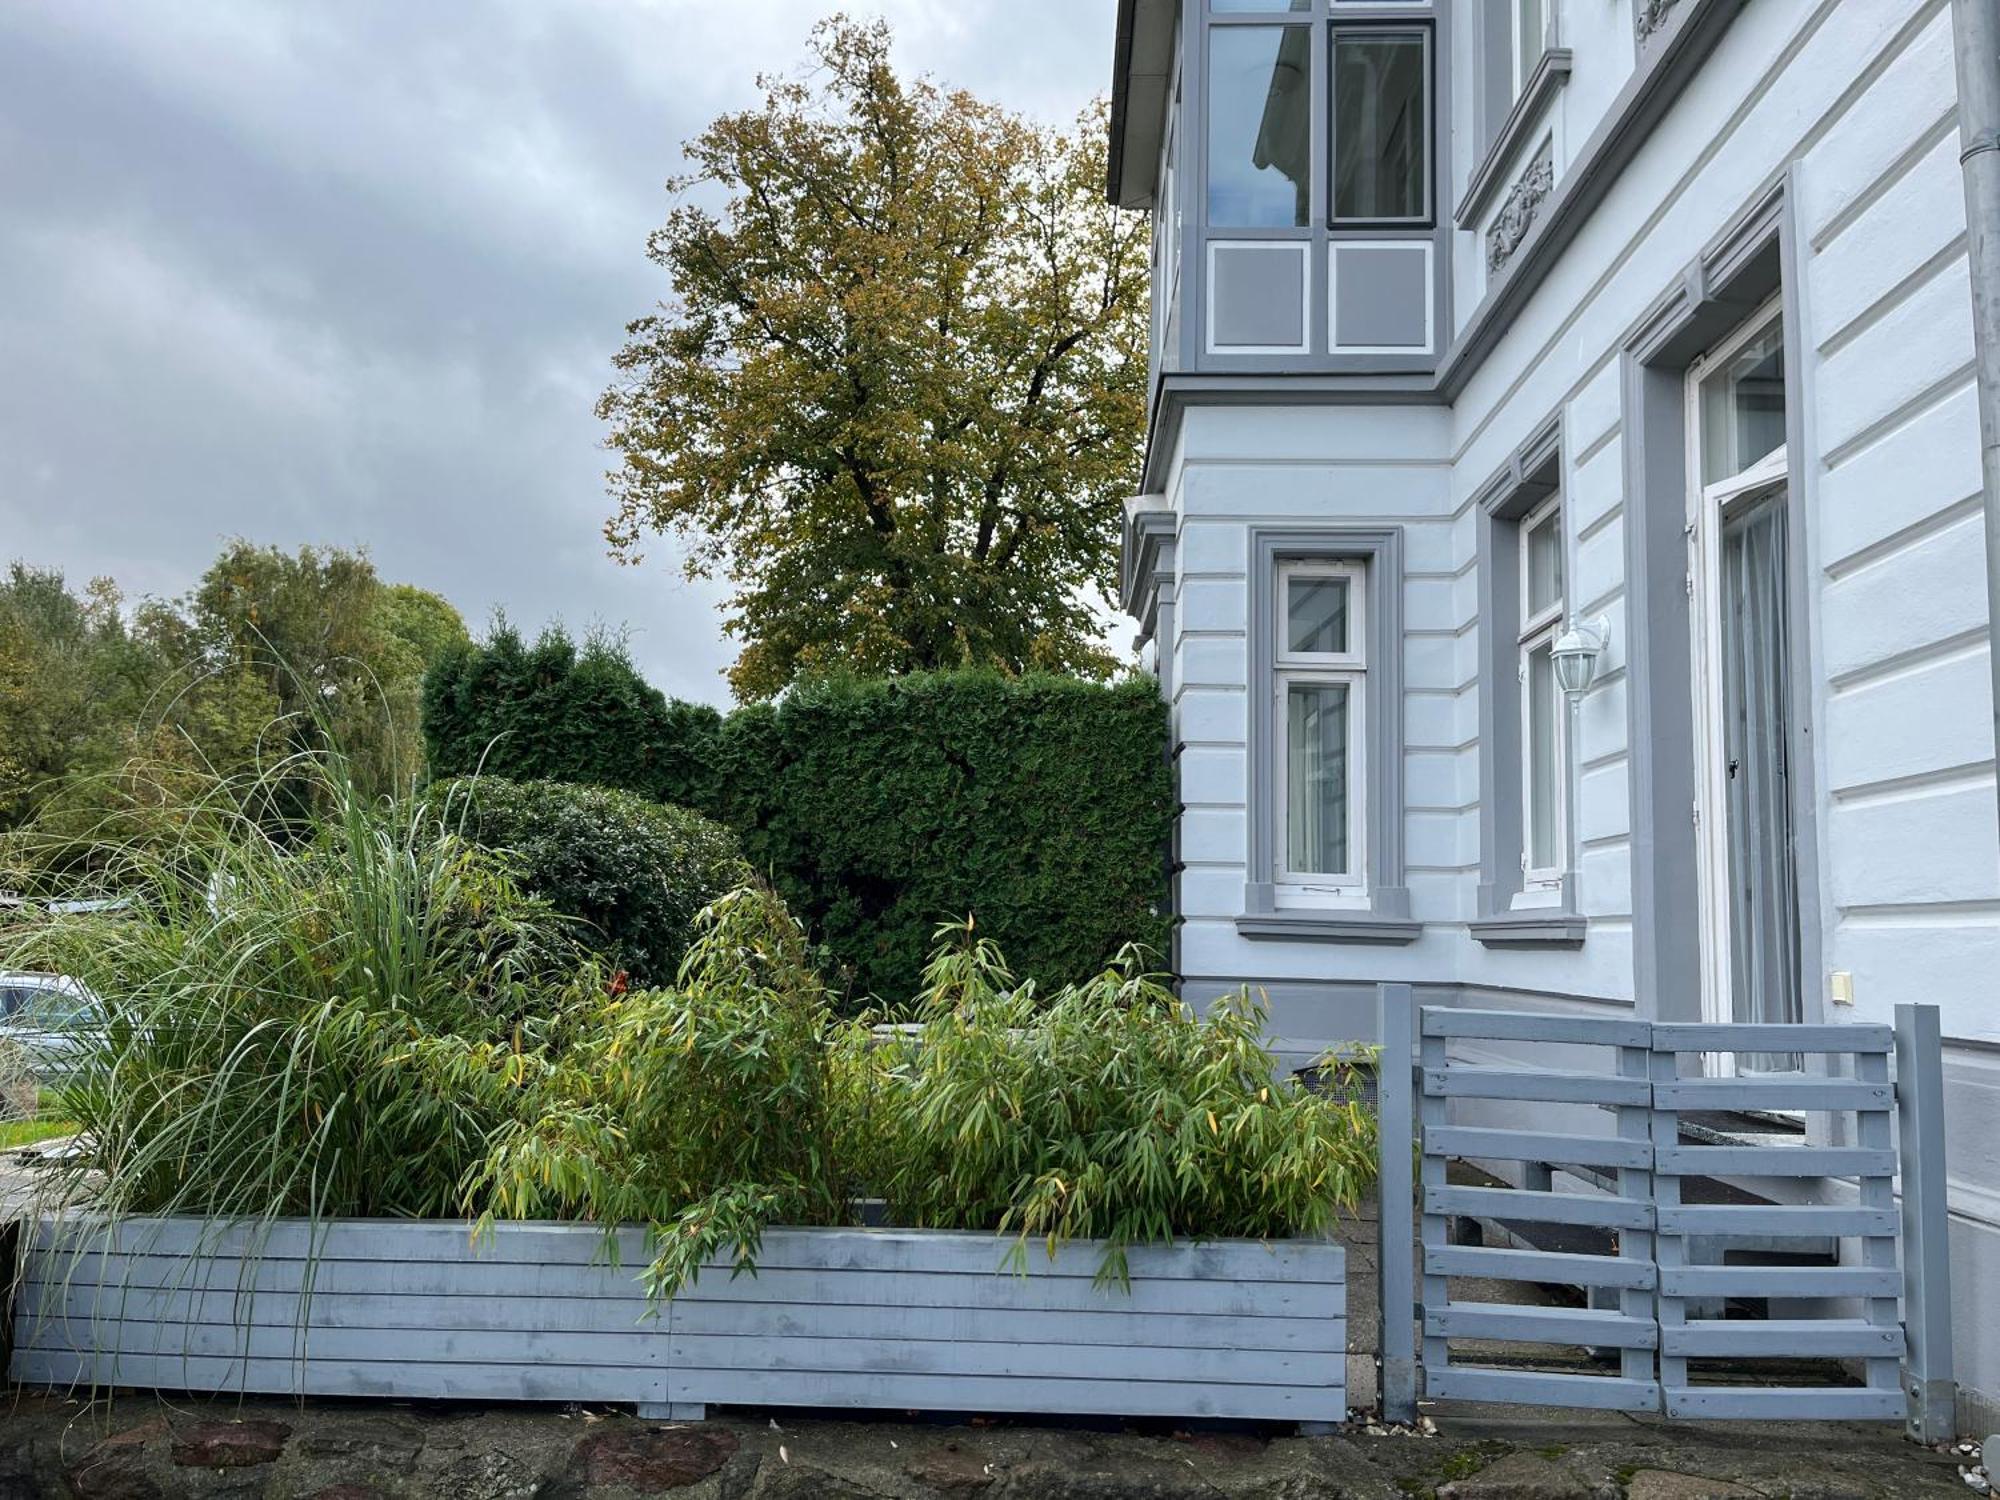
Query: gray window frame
{"type": "Point", "coordinates": [1531, 475]}
{"type": "Point", "coordinates": [1424, 27]}
{"type": "Point", "coordinates": [1385, 918]}
{"type": "Point", "coordinates": [1755, 257]}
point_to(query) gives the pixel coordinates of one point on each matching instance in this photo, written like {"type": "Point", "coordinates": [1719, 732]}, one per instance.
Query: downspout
{"type": "Point", "coordinates": [1976, 32]}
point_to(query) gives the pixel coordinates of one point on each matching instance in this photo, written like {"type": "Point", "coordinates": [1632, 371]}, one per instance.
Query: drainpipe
{"type": "Point", "coordinates": [1975, 28]}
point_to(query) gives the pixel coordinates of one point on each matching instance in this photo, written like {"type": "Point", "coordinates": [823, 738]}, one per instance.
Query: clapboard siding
{"type": "Point", "coordinates": [832, 1318]}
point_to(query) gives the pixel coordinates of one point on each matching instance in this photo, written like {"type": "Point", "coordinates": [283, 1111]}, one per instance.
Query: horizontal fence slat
{"type": "Point", "coordinates": [1593, 1211]}
{"type": "Point", "coordinates": [1802, 1219]}
{"type": "Point", "coordinates": [1548, 1086]}
{"type": "Point", "coordinates": [1271, 1299]}
{"type": "Point", "coordinates": [604, 1315]}
{"type": "Point", "coordinates": [1279, 1403]}
{"type": "Point", "coordinates": [1786, 1403]}
{"type": "Point", "coordinates": [391, 1378]}
{"type": "Point", "coordinates": [1539, 1266]}
{"type": "Point", "coordinates": [1534, 1388]}
{"type": "Point", "coordinates": [1535, 1026]}
{"type": "Point", "coordinates": [936, 1252]}
{"type": "Point", "coordinates": [1779, 1281]}
{"type": "Point", "coordinates": [1790, 1338]}
{"type": "Point", "coordinates": [1540, 1325]}
{"type": "Point", "coordinates": [1536, 1145]}
{"type": "Point", "coordinates": [1753, 1036]}
{"type": "Point", "coordinates": [1774, 1093]}
{"type": "Point", "coordinates": [1017, 1361]}
{"type": "Point", "coordinates": [1774, 1161]}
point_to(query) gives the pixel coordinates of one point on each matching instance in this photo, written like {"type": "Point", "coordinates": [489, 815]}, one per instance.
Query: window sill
{"type": "Point", "coordinates": [1550, 927]}
{"type": "Point", "coordinates": [1551, 73]}
{"type": "Point", "coordinates": [1328, 925]}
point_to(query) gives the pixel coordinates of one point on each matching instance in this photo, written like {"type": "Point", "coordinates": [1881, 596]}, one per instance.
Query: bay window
{"type": "Point", "coordinates": [1260, 127]}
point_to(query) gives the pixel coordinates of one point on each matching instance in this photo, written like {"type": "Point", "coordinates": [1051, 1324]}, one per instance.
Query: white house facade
{"type": "Point", "coordinates": [1503, 343]}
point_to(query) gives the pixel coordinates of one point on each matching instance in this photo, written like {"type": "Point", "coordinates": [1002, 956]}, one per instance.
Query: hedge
{"type": "Point", "coordinates": [635, 872]}
{"type": "Point", "coordinates": [1040, 806]}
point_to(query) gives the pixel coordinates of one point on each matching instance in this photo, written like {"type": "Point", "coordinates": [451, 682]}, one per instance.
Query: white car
{"type": "Point", "coordinates": [49, 1016]}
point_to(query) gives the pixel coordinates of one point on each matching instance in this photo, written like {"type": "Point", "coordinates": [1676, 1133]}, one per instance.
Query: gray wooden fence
{"type": "Point", "coordinates": [833, 1317]}
{"type": "Point", "coordinates": [1658, 1272]}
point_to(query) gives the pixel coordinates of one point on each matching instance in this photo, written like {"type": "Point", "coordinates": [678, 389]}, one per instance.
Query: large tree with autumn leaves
{"type": "Point", "coordinates": [897, 392]}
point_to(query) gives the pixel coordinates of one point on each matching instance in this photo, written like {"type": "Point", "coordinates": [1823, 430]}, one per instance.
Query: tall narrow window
{"type": "Point", "coordinates": [1543, 740]}
{"type": "Point", "coordinates": [1530, 40]}
{"type": "Point", "coordinates": [1381, 125]}
{"type": "Point", "coordinates": [1739, 568]}
{"type": "Point", "coordinates": [1260, 127]}
{"type": "Point", "coordinates": [1321, 665]}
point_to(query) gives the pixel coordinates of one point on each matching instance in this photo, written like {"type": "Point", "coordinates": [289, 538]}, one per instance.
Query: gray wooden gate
{"type": "Point", "coordinates": [1658, 1271]}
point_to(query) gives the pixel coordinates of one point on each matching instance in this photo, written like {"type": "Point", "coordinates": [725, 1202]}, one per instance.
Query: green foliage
{"type": "Point", "coordinates": [1105, 1111]}
{"type": "Point", "coordinates": [899, 391]}
{"type": "Point", "coordinates": [700, 1110]}
{"type": "Point", "coordinates": [1041, 805]}
{"type": "Point", "coordinates": [324, 1026]}
{"type": "Point", "coordinates": [556, 712]}
{"type": "Point", "coordinates": [636, 872]}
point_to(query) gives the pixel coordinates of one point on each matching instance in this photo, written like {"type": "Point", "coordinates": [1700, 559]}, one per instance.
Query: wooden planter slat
{"type": "Point", "coordinates": [834, 1317]}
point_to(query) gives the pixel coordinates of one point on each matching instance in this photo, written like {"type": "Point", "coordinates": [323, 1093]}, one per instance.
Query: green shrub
{"type": "Point", "coordinates": [324, 1026]}
{"type": "Point", "coordinates": [1040, 805]}
{"type": "Point", "coordinates": [636, 872]}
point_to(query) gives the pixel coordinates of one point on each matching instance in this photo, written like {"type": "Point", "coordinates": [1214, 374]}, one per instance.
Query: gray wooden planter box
{"type": "Point", "coordinates": [833, 1318]}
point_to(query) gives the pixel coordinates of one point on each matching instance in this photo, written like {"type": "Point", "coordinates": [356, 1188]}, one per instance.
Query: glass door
{"type": "Point", "coordinates": [1738, 570]}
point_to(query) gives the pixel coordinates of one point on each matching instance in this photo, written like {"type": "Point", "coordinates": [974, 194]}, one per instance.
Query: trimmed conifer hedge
{"type": "Point", "coordinates": [1041, 806]}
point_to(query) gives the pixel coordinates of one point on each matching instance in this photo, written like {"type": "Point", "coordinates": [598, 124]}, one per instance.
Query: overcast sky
{"type": "Point", "coordinates": [352, 272]}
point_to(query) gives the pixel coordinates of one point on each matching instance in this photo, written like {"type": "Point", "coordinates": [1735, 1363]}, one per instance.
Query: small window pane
{"type": "Point", "coordinates": [1545, 564]}
{"type": "Point", "coordinates": [1381, 155]}
{"type": "Point", "coordinates": [1743, 407]}
{"type": "Point", "coordinates": [1544, 781]}
{"type": "Point", "coordinates": [1316, 615]}
{"type": "Point", "coordinates": [1260, 127]}
{"type": "Point", "coordinates": [1316, 778]}
{"type": "Point", "coordinates": [1248, 7]}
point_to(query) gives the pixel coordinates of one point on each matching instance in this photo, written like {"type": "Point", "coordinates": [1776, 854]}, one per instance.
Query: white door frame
{"type": "Point", "coordinates": [1707, 507]}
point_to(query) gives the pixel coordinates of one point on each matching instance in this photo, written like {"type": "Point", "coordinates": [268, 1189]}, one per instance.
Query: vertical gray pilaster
{"type": "Point", "coordinates": [1395, 1238]}
{"type": "Point", "coordinates": [1927, 1371]}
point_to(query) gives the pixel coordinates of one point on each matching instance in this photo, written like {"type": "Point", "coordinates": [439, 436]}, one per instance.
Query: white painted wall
{"type": "Point", "coordinates": [1853, 101]}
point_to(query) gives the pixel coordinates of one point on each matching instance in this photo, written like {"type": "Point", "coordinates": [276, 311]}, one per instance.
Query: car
{"type": "Point", "coordinates": [49, 1016]}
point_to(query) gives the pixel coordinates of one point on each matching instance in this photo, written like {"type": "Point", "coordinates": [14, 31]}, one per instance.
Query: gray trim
{"type": "Point", "coordinates": [1530, 475]}
{"type": "Point", "coordinates": [1645, 99]}
{"type": "Point", "coordinates": [1141, 86]}
{"type": "Point", "coordinates": [1387, 917]}
{"type": "Point", "coordinates": [1177, 391]}
{"type": "Point", "coordinates": [1530, 929]}
{"type": "Point", "coordinates": [1550, 74]}
{"type": "Point", "coordinates": [1327, 927]}
{"type": "Point", "coordinates": [1753, 258]}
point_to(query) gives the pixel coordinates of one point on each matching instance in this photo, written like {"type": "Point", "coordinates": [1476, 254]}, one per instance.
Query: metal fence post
{"type": "Point", "coordinates": [1396, 1245]}
{"type": "Point", "coordinates": [1927, 1374]}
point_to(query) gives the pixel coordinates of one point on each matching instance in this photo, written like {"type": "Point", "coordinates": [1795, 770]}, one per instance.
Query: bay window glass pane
{"type": "Point", "coordinates": [1743, 407]}
{"type": "Point", "coordinates": [1544, 775]}
{"type": "Point", "coordinates": [1316, 778]}
{"type": "Point", "coordinates": [1545, 563]}
{"type": "Point", "coordinates": [1381, 108]}
{"type": "Point", "coordinates": [1316, 615]}
{"type": "Point", "coordinates": [1260, 127]}
{"type": "Point", "coordinates": [1250, 7]}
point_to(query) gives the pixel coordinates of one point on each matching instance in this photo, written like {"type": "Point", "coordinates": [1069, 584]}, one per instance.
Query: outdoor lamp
{"type": "Point", "coordinates": [1577, 652]}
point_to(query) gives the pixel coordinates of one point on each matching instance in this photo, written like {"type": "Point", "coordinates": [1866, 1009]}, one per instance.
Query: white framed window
{"type": "Point", "coordinates": [1739, 564]}
{"type": "Point", "coordinates": [1320, 661]}
{"type": "Point", "coordinates": [1530, 39]}
{"type": "Point", "coordinates": [1544, 734]}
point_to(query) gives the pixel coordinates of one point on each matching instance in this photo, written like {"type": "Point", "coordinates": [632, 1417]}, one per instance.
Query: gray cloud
{"type": "Point", "coordinates": [352, 272]}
